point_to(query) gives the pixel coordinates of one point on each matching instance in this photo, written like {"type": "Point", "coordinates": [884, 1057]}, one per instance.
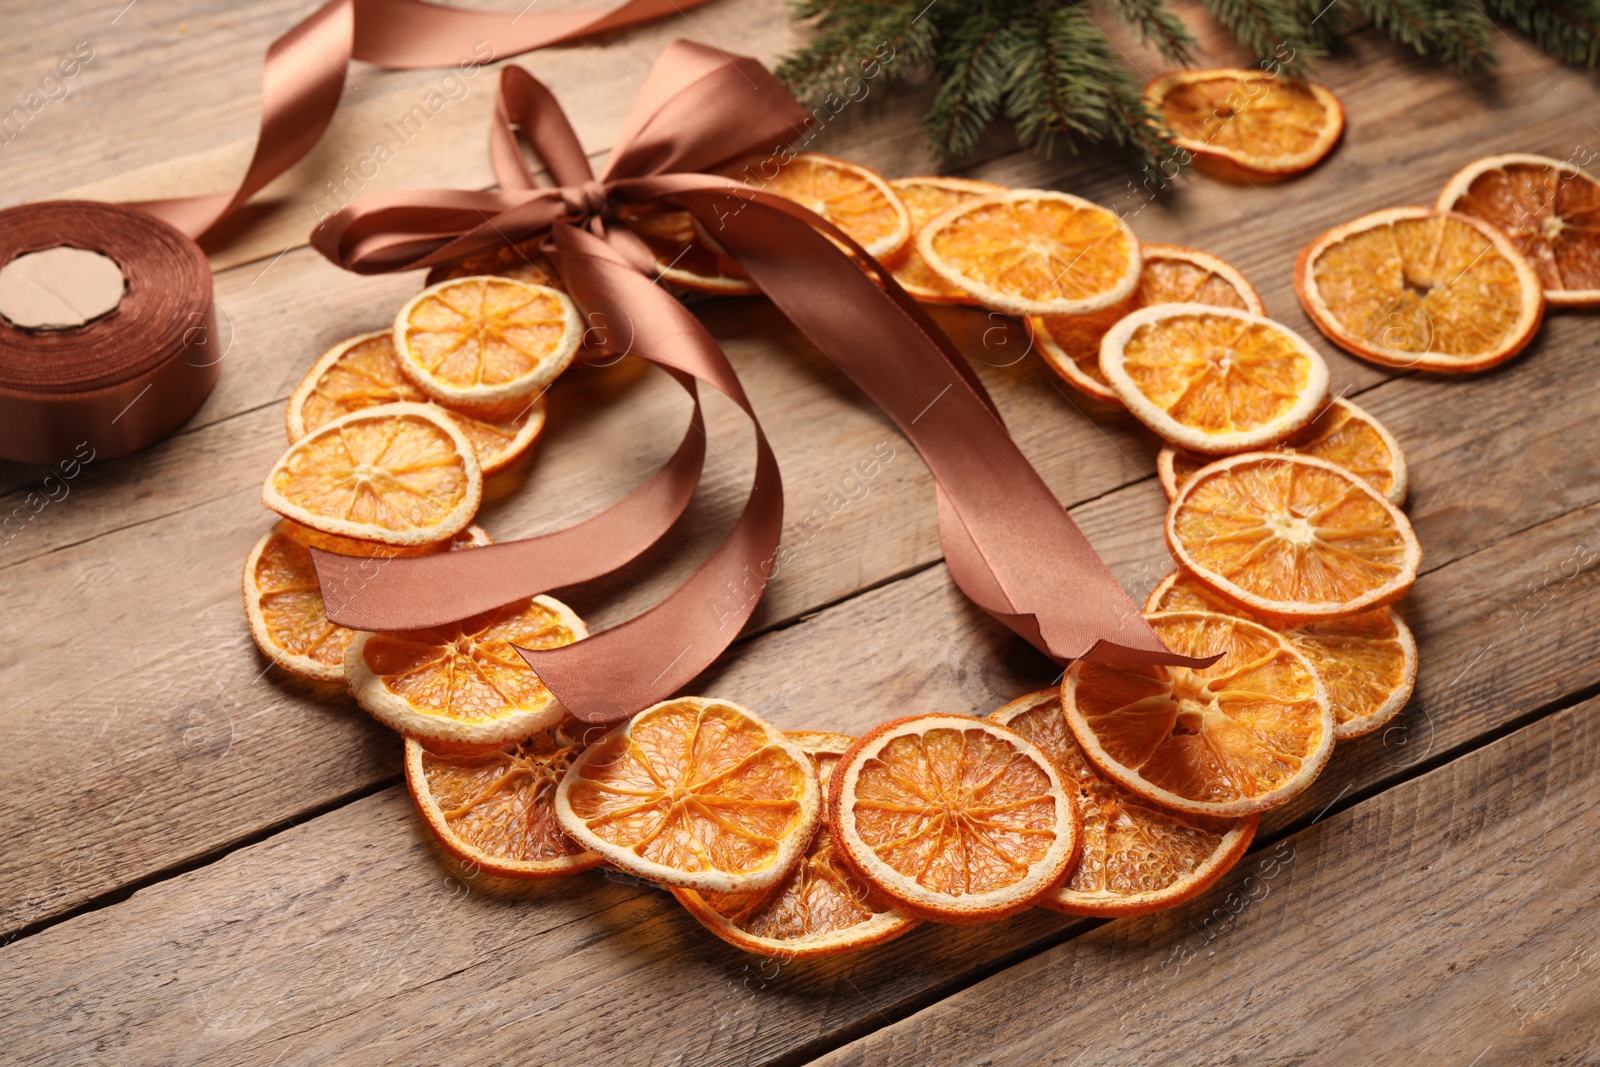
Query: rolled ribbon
{"type": "Point", "coordinates": [1008, 542]}
{"type": "Point", "coordinates": [62, 387]}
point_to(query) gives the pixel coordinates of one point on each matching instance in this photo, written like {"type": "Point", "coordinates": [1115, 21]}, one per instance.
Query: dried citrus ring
{"type": "Point", "coordinates": [852, 197]}
{"type": "Point", "coordinates": [1247, 733]}
{"type": "Point", "coordinates": [1171, 274]}
{"type": "Point", "coordinates": [957, 820]}
{"type": "Point", "coordinates": [1137, 856]}
{"type": "Point", "coordinates": [397, 474]}
{"type": "Point", "coordinates": [685, 254]}
{"type": "Point", "coordinates": [464, 684]}
{"type": "Point", "coordinates": [1367, 662]}
{"type": "Point", "coordinates": [496, 811]}
{"type": "Point", "coordinates": [283, 604]}
{"type": "Point", "coordinates": [1551, 211]}
{"type": "Point", "coordinates": [471, 536]}
{"type": "Point", "coordinates": [363, 372]}
{"type": "Point", "coordinates": [1213, 380]}
{"type": "Point", "coordinates": [820, 908]}
{"type": "Point", "coordinates": [926, 197]}
{"type": "Point", "coordinates": [522, 262]}
{"type": "Point", "coordinates": [1246, 125]}
{"type": "Point", "coordinates": [484, 339]}
{"type": "Point", "coordinates": [1343, 433]}
{"type": "Point", "coordinates": [1033, 252]}
{"type": "Point", "coordinates": [696, 793]}
{"type": "Point", "coordinates": [1291, 539]}
{"type": "Point", "coordinates": [1414, 287]}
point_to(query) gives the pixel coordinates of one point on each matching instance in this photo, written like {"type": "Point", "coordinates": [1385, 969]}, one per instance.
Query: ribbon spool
{"type": "Point", "coordinates": [123, 379]}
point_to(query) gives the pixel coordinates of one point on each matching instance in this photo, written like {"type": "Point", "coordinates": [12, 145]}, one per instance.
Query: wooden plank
{"type": "Point", "coordinates": [1450, 917]}
{"type": "Point", "coordinates": [349, 939]}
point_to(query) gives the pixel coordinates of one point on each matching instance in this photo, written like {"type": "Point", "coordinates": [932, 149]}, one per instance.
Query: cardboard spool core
{"type": "Point", "coordinates": [59, 288]}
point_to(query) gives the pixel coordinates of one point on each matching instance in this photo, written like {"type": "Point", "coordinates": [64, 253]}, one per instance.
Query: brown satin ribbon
{"type": "Point", "coordinates": [48, 402]}
{"type": "Point", "coordinates": [1008, 542]}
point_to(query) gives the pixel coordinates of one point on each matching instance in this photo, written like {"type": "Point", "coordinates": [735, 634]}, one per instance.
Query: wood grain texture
{"type": "Point", "coordinates": [1455, 911]}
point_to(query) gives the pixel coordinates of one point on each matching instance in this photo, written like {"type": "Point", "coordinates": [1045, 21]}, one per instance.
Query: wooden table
{"type": "Point", "coordinates": [207, 861]}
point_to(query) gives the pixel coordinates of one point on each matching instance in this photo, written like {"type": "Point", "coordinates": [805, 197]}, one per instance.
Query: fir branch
{"type": "Point", "coordinates": [850, 38]}
{"type": "Point", "coordinates": [972, 63]}
{"type": "Point", "coordinates": [1456, 31]}
{"type": "Point", "coordinates": [1156, 25]}
{"type": "Point", "coordinates": [1274, 31]}
{"type": "Point", "coordinates": [1567, 29]}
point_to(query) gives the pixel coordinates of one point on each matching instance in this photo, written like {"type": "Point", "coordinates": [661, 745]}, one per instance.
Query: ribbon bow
{"type": "Point", "coordinates": [1008, 543]}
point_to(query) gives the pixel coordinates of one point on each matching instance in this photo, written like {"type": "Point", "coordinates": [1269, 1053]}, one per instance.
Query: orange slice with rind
{"type": "Point", "coordinates": [854, 198]}
{"type": "Point", "coordinates": [696, 793]}
{"type": "Point", "coordinates": [1247, 125]}
{"type": "Point", "coordinates": [363, 372]}
{"type": "Point", "coordinates": [926, 197]}
{"type": "Point", "coordinates": [495, 812]}
{"type": "Point", "coordinates": [1171, 274]}
{"type": "Point", "coordinates": [463, 686]}
{"type": "Point", "coordinates": [1412, 287]}
{"type": "Point", "coordinates": [1033, 252]}
{"type": "Point", "coordinates": [396, 474]}
{"type": "Point", "coordinates": [1549, 208]}
{"type": "Point", "coordinates": [820, 908]}
{"type": "Point", "coordinates": [1248, 733]}
{"type": "Point", "coordinates": [685, 254]}
{"type": "Point", "coordinates": [955, 819]}
{"type": "Point", "coordinates": [486, 339]}
{"type": "Point", "coordinates": [1291, 539]}
{"type": "Point", "coordinates": [1367, 661]}
{"type": "Point", "coordinates": [283, 605]}
{"type": "Point", "coordinates": [1342, 433]}
{"type": "Point", "coordinates": [1213, 380]}
{"type": "Point", "coordinates": [1138, 857]}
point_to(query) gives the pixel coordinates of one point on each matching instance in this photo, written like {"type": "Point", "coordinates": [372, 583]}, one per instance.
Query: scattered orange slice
{"type": "Point", "coordinates": [485, 339]}
{"type": "Point", "coordinates": [1137, 856]}
{"type": "Point", "coordinates": [283, 604]}
{"type": "Point", "coordinates": [1343, 433]}
{"type": "Point", "coordinates": [685, 254]}
{"type": "Point", "coordinates": [472, 536]}
{"type": "Point", "coordinates": [1291, 538]}
{"type": "Point", "coordinates": [1247, 733]}
{"type": "Point", "coordinates": [1551, 211]}
{"type": "Point", "coordinates": [1367, 662]}
{"type": "Point", "coordinates": [926, 197]}
{"type": "Point", "coordinates": [1171, 274]}
{"type": "Point", "coordinates": [397, 474]}
{"type": "Point", "coordinates": [820, 908]}
{"type": "Point", "coordinates": [958, 820]}
{"type": "Point", "coordinates": [1213, 380]}
{"type": "Point", "coordinates": [696, 793]}
{"type": "Point", "coordinates": [1414, 287]}
{"type": "Point", "coordinates": [496, 811]}
{"type": "Point", "coordinates": [363, 372]}
{"type": "Point", "coordinates": [854, 198]}
{"type": "Point", "coordinates": [463, 686]}
{"type": "Point", "coordinates": [1032, 252]}
{"type": "Point", "coordinates": [1246, 125]}
{"type": "Point", "coordinates": [522, 262]}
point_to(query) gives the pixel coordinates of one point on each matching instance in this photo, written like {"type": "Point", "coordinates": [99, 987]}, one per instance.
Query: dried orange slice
{"type": "Point", "coordinates": [957, 820]}
{"type": "Point", "coordinates": [1137, 856]}
{"type": "Point", "coordinates": [696, 793]}
{"type": "Point", "coordinates": [1213, 380]}
{"type": "Point", "coordinates": [496, 811]}
{"type": "Point", "coordinates": [1247, 733]}
{"type": "Point", "coordinates": [1171, 274]}
{"type": "Point", "coordinates": [463, 685]}
{"type": "Point", "coordinates": [1367, 661]}
{"type": "Point", "coordinates": [926, 197]}
{"type": "Point", "coordinates": [522, 262]}
{"type": "Point", "coordinates": [472, 536]}
{"type": "Point", "coordinates": [397, 474]}
{"type": "Point", "coordinates": [1551, 211]}
{"type": "Point", "coordinates": [1343, 433]}
{"type": "Point", "coordinates": [1246, 125]}
{"type": "Point", "coordinates": [1033, 252]}
{"type": "Point", "coordinates": [283, 604]}
{"type": "Point", "coordinates": [852, 197]}
{"type": "Point", "coordinates": [1414, 287]}
{"type": "Point", "coordinates": [1291, 538]}
{"type": "Point", "coordinates": [820, 908]}
{"type": "Point", "coordinates": [363, 372]}
{"type": "Point", "coordinates": [485, 339]}
{"type": "Point", "coordinates": [685, 254]}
